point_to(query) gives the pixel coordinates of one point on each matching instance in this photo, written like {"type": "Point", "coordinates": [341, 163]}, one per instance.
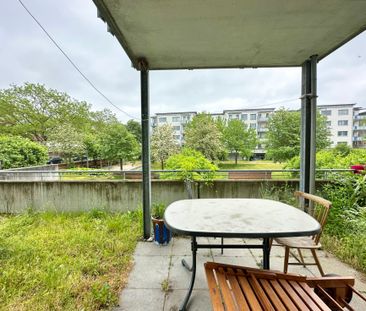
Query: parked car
{"type": "Point", "coordinates": [83, 158]}
{"type": "Point", "coordinates": [55, 160]}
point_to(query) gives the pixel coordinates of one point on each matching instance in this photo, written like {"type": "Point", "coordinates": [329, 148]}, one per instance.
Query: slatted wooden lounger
{"type": "Point", "coordinates": [241, 288]}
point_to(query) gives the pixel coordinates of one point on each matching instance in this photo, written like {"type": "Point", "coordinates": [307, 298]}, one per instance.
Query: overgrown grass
{"type": "Point", "coordinates": [65, 261]}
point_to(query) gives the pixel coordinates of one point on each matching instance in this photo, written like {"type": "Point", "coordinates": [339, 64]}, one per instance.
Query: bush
{"type": "Point", "coordinates": [20, 152]}
{"type": "Point", "coordinates": [187, 161]}
{"type": "Point", "coordinates": [345, 232]}
{"type": "Point", "coordinates": [333, 158]}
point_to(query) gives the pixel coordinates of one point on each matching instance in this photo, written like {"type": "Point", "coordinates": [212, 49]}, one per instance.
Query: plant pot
{"type": "Point", "coordinates": [162, 235]}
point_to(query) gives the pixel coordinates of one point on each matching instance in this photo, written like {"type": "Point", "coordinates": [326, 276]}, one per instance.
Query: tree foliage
{"type": "Point", "coordinates": [283, 137]}
{"type": "Point", "coordinates": [187, 161]}
{"type": "Point", "coordinates": [118, 144]}
{"type": "Point", "coordinates": [20, 152]}
{"type": "Point", "coordinates": [66, 141]}
{"type": "Point", "coordinates": [203, 135]}
{"type": "Point", "coordinates": [134, 128]}
{"type": "Point", "coordinates": [163, 144]}
{"type": "Point", "coordinates": [33, 111]}
{"type": "Point", "coordinates": [239, 138]}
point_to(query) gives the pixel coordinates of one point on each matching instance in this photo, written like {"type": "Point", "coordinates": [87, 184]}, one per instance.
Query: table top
{"type": "Point", "coordinates": [247, 218]}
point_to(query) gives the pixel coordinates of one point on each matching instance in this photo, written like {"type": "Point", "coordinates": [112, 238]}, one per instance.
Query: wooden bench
{"type": "Point", "coordinates": [250, 175]}
{"type": "Point", "coordinates": [242, 288]}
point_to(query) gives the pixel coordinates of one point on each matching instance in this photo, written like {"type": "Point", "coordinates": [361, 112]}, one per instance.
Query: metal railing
{"type": "Point", "coordinates": [228, 174]}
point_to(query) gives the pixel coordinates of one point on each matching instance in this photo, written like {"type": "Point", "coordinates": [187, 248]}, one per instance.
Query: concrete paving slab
{"type": "Point", "coordinates": [182, 247]}
{"type": "Point", "coordinates": [149, 272]}
{"type": "Point", "coordinates": [152, 249]}
{"type": "Point", "coordinates": [141, 300]}
{"type": "Point", "coordinates": [200, 300]}
{"type": "Point", "coordinates": [179, 276]}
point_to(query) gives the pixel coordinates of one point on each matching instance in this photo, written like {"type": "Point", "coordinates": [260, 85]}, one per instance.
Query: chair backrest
{"type": "Point", "coordinates": [320, 211]}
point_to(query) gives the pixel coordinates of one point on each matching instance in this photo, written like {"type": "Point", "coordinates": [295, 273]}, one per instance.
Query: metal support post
{"type": "Point", "coordinates": [145, 126]}
{"type": "Point", "coordinates": [308, 127]}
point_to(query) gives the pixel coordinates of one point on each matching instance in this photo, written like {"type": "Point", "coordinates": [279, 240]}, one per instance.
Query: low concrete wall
{"type": "Point", "coordinates": [75, 196]}
{"type": "Point", "coordinates": [15, 174]}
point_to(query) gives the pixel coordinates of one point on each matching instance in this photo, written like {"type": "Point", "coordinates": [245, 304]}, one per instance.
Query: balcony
{"type": "Point", "coordinates": [359, 128]}
{"type": "Point", "coordinates": [357, 138]}
{"type": "Point", "coordinates": [359, 117]}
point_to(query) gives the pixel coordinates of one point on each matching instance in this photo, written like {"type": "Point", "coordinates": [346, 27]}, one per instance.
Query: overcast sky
{"type": "Point", "coordinates": [27, 55]}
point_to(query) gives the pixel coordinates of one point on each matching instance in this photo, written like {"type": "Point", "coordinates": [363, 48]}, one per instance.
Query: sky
{"type": "Point", "coordinates": [27, 55]}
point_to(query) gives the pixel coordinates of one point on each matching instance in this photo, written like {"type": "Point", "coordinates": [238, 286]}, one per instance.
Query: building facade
{"type": "Point", "coordinates": [347, 123]}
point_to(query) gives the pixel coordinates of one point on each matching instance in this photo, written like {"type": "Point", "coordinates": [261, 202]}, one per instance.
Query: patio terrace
{"type": "Point", "coordinates": [158, 280]}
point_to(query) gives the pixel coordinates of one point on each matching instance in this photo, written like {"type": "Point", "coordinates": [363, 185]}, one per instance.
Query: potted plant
{"type": "Point", "coordinates": [162, 234]}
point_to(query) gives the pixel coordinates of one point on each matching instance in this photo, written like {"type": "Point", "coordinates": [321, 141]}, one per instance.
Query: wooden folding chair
{"type": "Point", "coordinates": [320, 212]}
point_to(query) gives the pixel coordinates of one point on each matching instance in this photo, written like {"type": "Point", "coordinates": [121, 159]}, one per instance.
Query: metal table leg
{"type": "Point", "coordinates": [183, 306]}
{"type": "Point", "coordinates": [266, 253]}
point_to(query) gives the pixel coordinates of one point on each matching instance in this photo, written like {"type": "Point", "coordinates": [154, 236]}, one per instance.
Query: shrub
{"type": "Point", "coordinates": [20, 152]}
{"type": "Point", "coordinates": [187, 161]}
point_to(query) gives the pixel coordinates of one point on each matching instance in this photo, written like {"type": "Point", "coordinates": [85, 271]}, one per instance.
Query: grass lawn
{"type": "Point", "coordinates": [65, 261]}
{"type": "Point", "coordinates": [251, 165]}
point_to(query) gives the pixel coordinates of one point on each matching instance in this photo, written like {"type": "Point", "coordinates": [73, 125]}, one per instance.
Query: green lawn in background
{"type": "Point", "coordinates": [65, 261]}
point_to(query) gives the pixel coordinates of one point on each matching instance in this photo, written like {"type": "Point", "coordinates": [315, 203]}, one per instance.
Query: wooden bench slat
{"type": "Point", "coordinates": [225, 290]}
{"type": "Point", "coordinates": [314, 296]}
{"type": "Point", "coordinates": [262, 297]}
{"type": "Point", "coordinates": [214, 291]}
{"type": "Point", "coordinates": [293, 295]}
{"type": "Point", "coordinates": [249, 294]}
{"type": "Point", "coordinates": [305, 297]}
{"type": "Point", "coordinates": [276, 301]}
{"type": "Point", "coordinates": [284, 297]}
{"type": "Point", "coordinates": [238, 294]}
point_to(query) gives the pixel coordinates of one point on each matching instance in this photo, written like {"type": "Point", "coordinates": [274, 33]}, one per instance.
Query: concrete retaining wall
{"type": "Point", "coordinates": [17, 174]}
{"type": "Point", "coordinates": [74, 196]}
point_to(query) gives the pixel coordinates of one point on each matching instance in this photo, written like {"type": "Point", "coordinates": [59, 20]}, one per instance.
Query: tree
{"type": "Point", "coordinates": [283, 137]}
{"type": "Point", "coordinates": [66, 141]}
{"type": "Point", "coordinates": [163, 144]}
{"type": "Point", "coordinates": [118, 144]}
{"type": "Point", "coordinates": [134, 128]}
{"type": "Point", "coordinates": [239, 139]}
{"type": "Point", "coordinates": [188, 160]}
{"type": "Point", "coordinates": [203, 135]}
{"type": "Point", "coordinates": [32, 111]}
{"type": "Point", "coordinates": [20, 152]}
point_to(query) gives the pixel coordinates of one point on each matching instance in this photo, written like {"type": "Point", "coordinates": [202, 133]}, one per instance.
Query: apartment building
{"type": "Point", "coordinates": [347, 123]}
{"type": "Point", "coordinates": [177, 120]}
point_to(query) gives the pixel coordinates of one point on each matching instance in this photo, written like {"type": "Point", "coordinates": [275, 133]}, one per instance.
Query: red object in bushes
{"type": "Point", "coordinates": [357, 168]}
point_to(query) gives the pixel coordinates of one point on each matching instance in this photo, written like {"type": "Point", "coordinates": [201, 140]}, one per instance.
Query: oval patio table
{"type": "Point", "coordinates": [236, 218]}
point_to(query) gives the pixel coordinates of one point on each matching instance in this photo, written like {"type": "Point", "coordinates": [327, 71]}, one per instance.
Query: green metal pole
{"type": "Point", "coordinates": [145, 125]}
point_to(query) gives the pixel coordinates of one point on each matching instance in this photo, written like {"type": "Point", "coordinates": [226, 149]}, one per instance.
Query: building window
{"type": "Point", "coordinates": [176, 128]}
{"type": "Point", "coordinates": [342, 133]}
{"type": "Point", "coordinates": [329, 123]}
{"type": "Point", "coordinates": [343, 112]}
{"type": "Point", "coordinates": [253, 125]}
{"type": "Point", "coordinates": [326, 112]}
{"type": "Point", "coordinates": [176, 137]}
{"type": "Point", "coordinates": [244, 117]}
{"type": "Point", "coordinates": [342, 122]}
{"type": "Point", "coordinates": [176, 119]}
{"type": "Point", "coordinates": [253, 116]}
{"type": "Point", "coordinates": [162, 120]}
